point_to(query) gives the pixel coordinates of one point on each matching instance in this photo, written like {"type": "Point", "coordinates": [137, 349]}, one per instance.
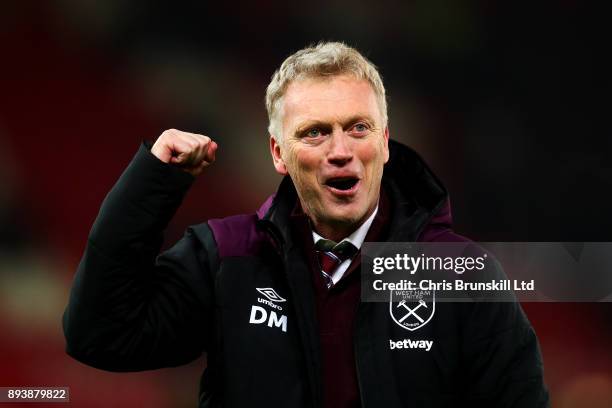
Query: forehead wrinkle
{"type": "Point", "coordinates": [327, 94]}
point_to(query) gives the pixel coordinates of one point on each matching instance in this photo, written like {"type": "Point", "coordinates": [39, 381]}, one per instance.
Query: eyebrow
{"type": "Point", "coordinates": [323, 124]}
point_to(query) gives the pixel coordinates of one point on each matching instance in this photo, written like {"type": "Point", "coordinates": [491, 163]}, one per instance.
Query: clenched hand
{"type": "Point", "coordinates": [189, 151]}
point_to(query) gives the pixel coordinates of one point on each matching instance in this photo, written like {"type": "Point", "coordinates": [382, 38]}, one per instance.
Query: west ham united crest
{"type": "Point", "coordinates": [412, 309]}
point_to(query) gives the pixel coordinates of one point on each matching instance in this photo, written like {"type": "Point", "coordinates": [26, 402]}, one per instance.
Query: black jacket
{"type": "Point", "coordinates": [131, 309]}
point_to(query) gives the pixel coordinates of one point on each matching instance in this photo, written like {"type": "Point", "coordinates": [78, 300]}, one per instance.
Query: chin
{"type": "Point", "coordinates": [345, 219]}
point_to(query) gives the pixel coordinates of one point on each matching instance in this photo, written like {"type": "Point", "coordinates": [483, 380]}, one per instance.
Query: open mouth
{"type": "Point", "coordinates": [342, 183]}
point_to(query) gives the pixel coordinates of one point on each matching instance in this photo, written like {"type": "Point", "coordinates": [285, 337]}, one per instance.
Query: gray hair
{"type": "Point", "coordinates": [323, 60]}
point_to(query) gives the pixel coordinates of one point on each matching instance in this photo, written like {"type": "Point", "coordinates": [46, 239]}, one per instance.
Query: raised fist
{"type": "Point", "coordinates": [189, 151]}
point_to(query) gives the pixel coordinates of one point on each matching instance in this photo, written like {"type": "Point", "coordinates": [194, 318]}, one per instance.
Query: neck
{"type": "Point", "coordinates": [336, 234]}
{"type": "Point", "coordinates": [338, 231]}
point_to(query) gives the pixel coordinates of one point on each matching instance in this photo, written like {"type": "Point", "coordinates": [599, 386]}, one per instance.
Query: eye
{"type": "Point", "coordinates": [360, 128]}
{"type": "Point", "coordinates": [314, 132]}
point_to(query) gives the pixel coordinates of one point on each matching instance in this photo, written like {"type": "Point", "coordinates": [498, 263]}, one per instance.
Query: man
{"type": "Point", "coordinates": [273, 297]}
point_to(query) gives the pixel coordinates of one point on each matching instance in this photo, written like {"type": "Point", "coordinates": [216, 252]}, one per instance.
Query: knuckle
{"type": "Point", "coordinates": [200, 139]}
{"type": "Point", "coordinates": [168, 133]}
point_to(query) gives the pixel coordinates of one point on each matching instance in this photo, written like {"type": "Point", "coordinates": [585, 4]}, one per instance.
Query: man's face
{"type": "Point", "coordinates": [334, 148]}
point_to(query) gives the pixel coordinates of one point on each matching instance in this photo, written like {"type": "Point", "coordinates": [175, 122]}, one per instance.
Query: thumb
{"type": "Point", "coordinates": [178, 159]}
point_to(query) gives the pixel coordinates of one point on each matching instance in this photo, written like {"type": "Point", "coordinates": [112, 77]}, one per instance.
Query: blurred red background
{"type": "Point", "coordinates": [505, 102]}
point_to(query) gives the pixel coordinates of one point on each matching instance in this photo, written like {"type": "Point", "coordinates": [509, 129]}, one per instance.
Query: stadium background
{"type": "Point", "coordinates": [507, 101]}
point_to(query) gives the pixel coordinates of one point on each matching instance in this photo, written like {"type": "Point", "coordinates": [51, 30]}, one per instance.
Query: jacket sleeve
{"type": "Point", "coordinates": [502, 360]}
{"type": "Point", "coordinates": [131, 309]}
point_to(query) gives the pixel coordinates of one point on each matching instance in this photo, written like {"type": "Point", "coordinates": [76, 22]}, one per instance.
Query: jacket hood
{"type": "Point", "coordinates": [413, 190]}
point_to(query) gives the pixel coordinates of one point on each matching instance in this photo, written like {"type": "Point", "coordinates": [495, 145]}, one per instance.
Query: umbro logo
{"type": "Point", "coordinates": [271, 294]}
{"type": "Point", "coordinates": [260, 315]}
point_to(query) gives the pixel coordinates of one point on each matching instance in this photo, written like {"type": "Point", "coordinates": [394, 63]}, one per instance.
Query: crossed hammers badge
{"type": "Point", "coordinates": [421, 313]}
{"type": "Point", "coordinates": [411, 312]}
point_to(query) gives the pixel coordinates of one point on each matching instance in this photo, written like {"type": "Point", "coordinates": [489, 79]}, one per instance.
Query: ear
{"type": "Point", "coordinates": [386, 142]}
{"type": "Point", "coordinates": [279, 163]}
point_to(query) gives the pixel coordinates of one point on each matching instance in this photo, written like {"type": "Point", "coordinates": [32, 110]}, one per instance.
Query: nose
{"type": "Point", "coordinates": [340, 151]}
